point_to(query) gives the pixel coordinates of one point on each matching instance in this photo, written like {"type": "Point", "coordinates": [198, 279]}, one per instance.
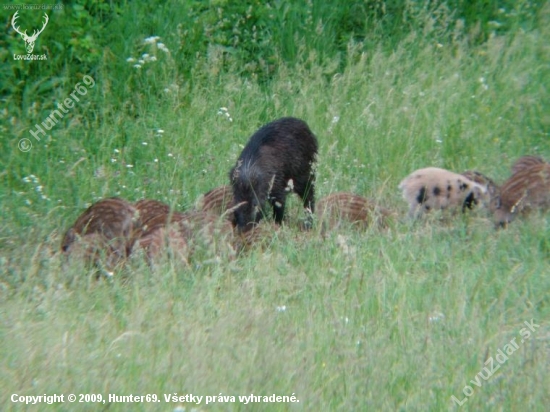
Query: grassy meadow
{"type": "Point", "coordinates": [394, 320]}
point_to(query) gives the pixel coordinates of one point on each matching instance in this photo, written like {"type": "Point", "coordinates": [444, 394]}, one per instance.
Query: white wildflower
{"type": "Point", "coordinates": [163, 47]}
{"type": "Point", "coordinates": [436, 317]}
{"type": "Point", "coordinates": [224, 112]}
{"type": "Point", "coordinates": [30, 178]}
{"type": "Point", "coordinates": [343, 244]}
{"type": "Point", "coordinates": [151, 40]}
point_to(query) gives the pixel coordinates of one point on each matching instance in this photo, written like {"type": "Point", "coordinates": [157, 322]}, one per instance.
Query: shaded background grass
{"type": "Point", "coordinates": [401, 319]}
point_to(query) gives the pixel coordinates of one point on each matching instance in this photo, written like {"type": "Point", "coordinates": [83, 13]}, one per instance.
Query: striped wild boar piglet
{"type": "Point", "coordinates": [527, 189]}
{"type": "Point", "coordinates": [217, 201]}
{"type": "Point", "coordinates": [105, 228]}
{"type": "Point", "coordinates": [154, 214]}
{"type": "Point", "coordinates": [340, 207]}
{"type": "Point", "coordinates": [279, 158]}
{"type": "Point", "coordinates": [526, 162]}
{"type": "Point", "coordinates": [433, 188]}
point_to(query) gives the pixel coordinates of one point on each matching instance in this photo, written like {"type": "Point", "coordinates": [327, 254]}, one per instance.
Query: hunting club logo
{"type": "Point", "coordinates": [29, 40]}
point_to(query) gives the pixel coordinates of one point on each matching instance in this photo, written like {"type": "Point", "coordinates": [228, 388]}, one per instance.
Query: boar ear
{"type": "Point", "coordinates": [234, 173]}
{"type": "Point", "coordinates": [69, 238]}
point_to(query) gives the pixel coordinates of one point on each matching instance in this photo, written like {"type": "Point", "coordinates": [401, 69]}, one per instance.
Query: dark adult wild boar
{"type": "Point", "coordinates": [277, 159]}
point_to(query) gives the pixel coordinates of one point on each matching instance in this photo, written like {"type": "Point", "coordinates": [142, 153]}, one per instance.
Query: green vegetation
{"type": "Point", "coordinates": [395, 320]}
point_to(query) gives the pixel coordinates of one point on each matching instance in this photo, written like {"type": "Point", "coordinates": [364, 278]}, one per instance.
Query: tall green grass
{"type": "Point", "coordinates": [401, 319]}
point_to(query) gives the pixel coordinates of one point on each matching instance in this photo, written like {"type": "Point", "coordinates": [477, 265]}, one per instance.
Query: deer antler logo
{"type": "Point", "coordinates": [29, 39]}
